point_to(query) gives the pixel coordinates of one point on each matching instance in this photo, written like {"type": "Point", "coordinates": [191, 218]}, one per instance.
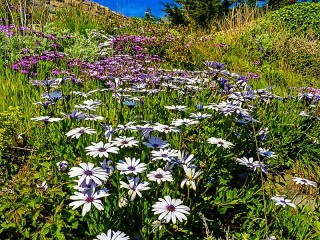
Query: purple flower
{"type": "Point", "coordinates": [55, 72]}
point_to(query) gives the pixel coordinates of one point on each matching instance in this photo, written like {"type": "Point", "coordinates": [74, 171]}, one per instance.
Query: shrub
{"type": "Point", "coordinates": [298, 18]}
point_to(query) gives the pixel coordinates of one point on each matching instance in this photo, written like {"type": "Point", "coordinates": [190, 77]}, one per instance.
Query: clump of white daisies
{"type": "Point", "coordinates": [90, 178]}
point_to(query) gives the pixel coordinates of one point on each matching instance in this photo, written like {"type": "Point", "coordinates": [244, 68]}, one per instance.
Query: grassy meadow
{"type": "Point", "coordinates": [116, 128]}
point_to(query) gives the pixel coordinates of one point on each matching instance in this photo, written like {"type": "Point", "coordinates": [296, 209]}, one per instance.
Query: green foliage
{"type": "Point", "coordinates": [12, 143]}
{"type": "Point", "coordinates": [276, 4]}
{"type": "Point", "coordinates": [11, 49]}
{"type": "Point", "coordinates": [175, 14]}
{"type": "Point", "coordinates": [83, 46]}
{"type": "Point", "coordinates": [301, 18]}
{"type": "Point", "coordinates": [75, 20]}
{"type": "Point", "coordinates": [196, 12]}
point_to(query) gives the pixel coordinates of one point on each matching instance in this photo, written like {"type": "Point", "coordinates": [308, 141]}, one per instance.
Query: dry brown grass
{"type": "Point", "coordinates": [240, 18]}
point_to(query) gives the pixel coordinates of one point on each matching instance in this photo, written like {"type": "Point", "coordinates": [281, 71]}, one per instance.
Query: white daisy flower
{"type": "Point", "coordinates": [93, 117]}
{"type": "Point", "coordinates": [112, 235]}
{"type": "Point", "coordinates": [88, 173]}
{"type": "Point", "coordinates": [191, 175]}
{"type": "Point", "coordinates": [83, 94]}
{"type": "Point", "coordinates": [160, 176]}
{"type": "Point", "coordinates": [271, 238]}
{"type": "Point", "coordinates": [100, 149]}
{"type": "Point", "coordinates": [43, 187]}
{"type": "Point", "coordinates": [248, 163]}
{"type": "Point", "coordinates": [220, 142]}
{"type": "Point", "coordinates": [77, 132]}
{"type": "Point", "coordinates": [164, 154]}
{"type": "Point", "coordinates": [177, 108]}
{"type": "Point", "coordinates": [123, 141]}
{"type": "Point", "coordinates": [158, 224]}
{"type": "Point", "coordinates": [184, 121]}
{"type": "Point", "coordinates": [165, 128]}
{"type": "Point", "coordinates": [131, 166]}
{"type": "Point", "coordinates": [252, 164]}
{"type": "Point", "coordinates": [46, 119]}
{"type": "Point", "coordinates": [170, 86]}
{"type": "Point", "coordinates": [123, 202]}
{"type": "Point", "coordinates": [87, 200]}
{"type": "Point", "coordinates": [134, 187]}
{"type": "Point", "coordinates": [92, 102]}
{"type": "Point", "coordinates": [62, 165]}
{"type": "Point", "coordinates": [145, 129]}
{"type": "Point", "coordinates": [200, 115]}
{"type": "Point", "coordinates": [304, 114]}
{"type": "Point", "coordinates": [185, 159]}
{"type": "Point", "coordinates": [304, 181]}
{"type": "Point", "coordinates": [127, 126]}
{"type": "Point", "coordinates": [266, 153]}
{"type": "Point", "coordinates": [212, 106]}
{"type": "Point", "coordinates": [86, 107]}
{"type": "Point", "coordinates": [280, 200]}
{"type": "Point", "coordinates": [170, 209]}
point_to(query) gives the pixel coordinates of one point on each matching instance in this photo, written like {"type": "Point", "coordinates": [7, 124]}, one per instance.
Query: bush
{"type": "Point", "coordinates": [298, 18]}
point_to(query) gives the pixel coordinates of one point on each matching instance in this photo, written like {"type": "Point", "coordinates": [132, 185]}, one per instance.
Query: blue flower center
{"type": "Point", "coordinates": [89, 199]}
{"type": "Point", "coordinates": [88, 172]}
{"type": "Point", "coordinates": [131, 168]}
{"type": "Point", "coordinates": [159, 175]}
{"type": "Point", "coordinates": [102, 149]}
{"type": "Point", "coordinates": [171, 208]}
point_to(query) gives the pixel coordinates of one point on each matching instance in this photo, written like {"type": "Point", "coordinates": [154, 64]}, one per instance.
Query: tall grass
{"type": "Point", "coordinates": [239, 18]}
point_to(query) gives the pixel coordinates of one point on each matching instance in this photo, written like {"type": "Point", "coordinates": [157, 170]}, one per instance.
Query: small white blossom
{"type": "Point", "coordinates": [164, 154]}
{"type": "Point", "coordinates": [100, 149]}
{"type": "Point", "coordinates": [77, 132]}
{"type": "Point", "coordinates": [266, 153]}
{"type": "Point", "coordinates": [134, 187]}
{"type": "Point", "coordinates": [43, 187]}
{"type": "Point", "coordinates": [190, 177]}
{"type": "Point", "coordinates": [131, 166]}
{"type": "Point", "coordinates": [220, 142]}
{"type": "Point", "coordinates": [304, 181]}
{"type": "Point", "coordinates": [46, 119]}
{"type": "Point", "coordinates": [88, 173]}
{"type": "Point", "coordinates": [62, 165]}
{"type": "Point", "coordinates": [112, 235]}
{"type": "Point", "coordinates": [177, 108]}
{"type": "Point", "coordinates": [200, 115]}
{"type": "Point", "coordinates": [280, 200]}
{"type": "Point", "coordinates": [123, 202]}
{"type": "Point", "coordinates": [87, 200]}
{"type": "Point", "coordinates": [124, 141]}
{"type": "Point", "coordinates": [170, 209]}
{"type": "Point", "coordinates": [184, 121]}
{"type": "Point", "coordinates": [160, 176]}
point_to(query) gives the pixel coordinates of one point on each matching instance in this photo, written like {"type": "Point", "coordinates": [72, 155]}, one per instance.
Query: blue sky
{"type": "Point", "coordinates": [132, 8]}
